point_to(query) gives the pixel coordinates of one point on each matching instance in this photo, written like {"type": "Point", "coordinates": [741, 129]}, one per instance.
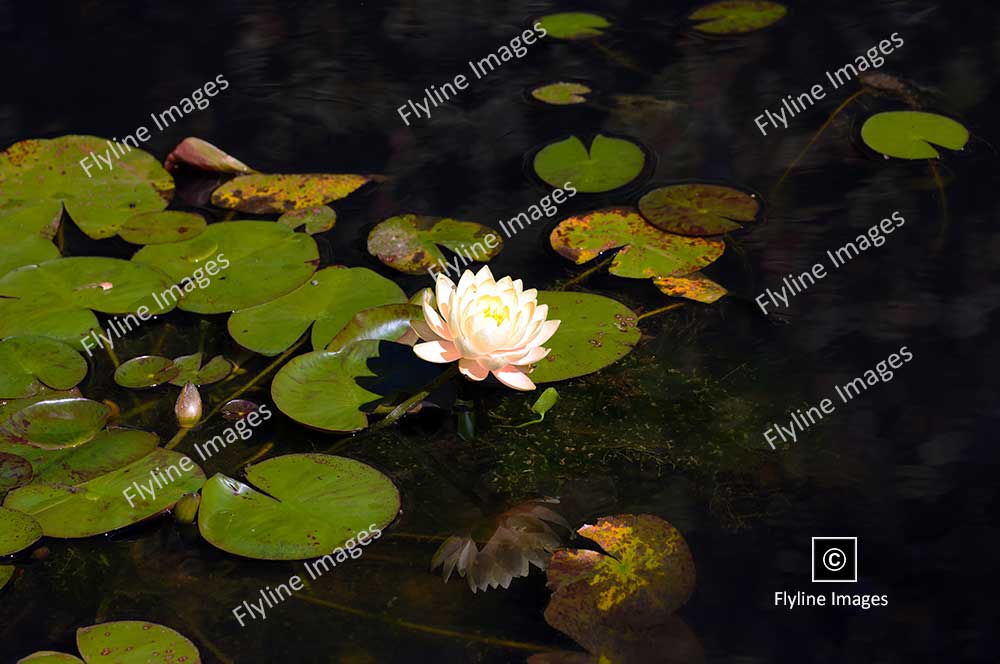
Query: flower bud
{"type": "Point", "coordinates": [187, 507]}
{"type": "Point", "coordinates": [188, 408]}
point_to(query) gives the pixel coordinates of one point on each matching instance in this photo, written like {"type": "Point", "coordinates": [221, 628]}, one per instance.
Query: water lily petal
{"type": "Point", "coordinates": [437, 351]}
{"type": "Point", "coordinates": [472, 369]}
{"type": "Point", "coordinates": [514, 377]}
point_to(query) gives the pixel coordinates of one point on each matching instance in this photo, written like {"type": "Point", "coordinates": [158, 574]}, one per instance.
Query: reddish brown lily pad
{"type": "Point", "coordinates": [698, 209]}
{"type": "Point", "coordinates": [204, 156]}
{"type": "Point", "coordinates": [694, 286]}
{"type": "Point", "coordinates": [269, 194]}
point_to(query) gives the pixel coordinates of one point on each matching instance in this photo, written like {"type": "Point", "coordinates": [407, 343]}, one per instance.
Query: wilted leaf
{"type": "Point", "coordinates": [698, 209]}
{"type": "Point", "coordinates": [316, 219]}
{"type": "Point", "coordinates": [55, 423]}
{"type": "Point", "coordinates": [203, 155]}
{"type": "Point", "coordinates": [733, 17]}
{"type": "Point", "coordinates": [162, 227]}
{"type": "Point", "coordinates": [409, 242]}
{"type": "Point", "coordinates": [561, 93]}
{"type": "Point", "coordinates": [609, 164]}
{"type": "Point", "coordinates": [269, 194]}
{"type": "Point", "coordinates": [23, 360]}
{"type": "Point", "coordinates": [573, 25]}
{"type": "Point", "coordinates": [146, 371]}
{"type": "Point", "coordinates": [912, 134]}
{"type": "Point", "coordinates": [694, 286]}
{"type": "Point", "coordinates": [191, 370]}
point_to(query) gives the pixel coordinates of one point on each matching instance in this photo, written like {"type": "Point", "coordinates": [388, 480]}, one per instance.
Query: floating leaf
{"type": "Point", "coordinates": [162, 227]}
{"type": "Point", "coordinates": [648, 251]}
{"type": "Point", "coordinates": [390, 322]}
{"type": "Point", "coordinates": [329, 300]}
{"type": "Point", "coordinates": [237, 409]}
{"type": "Point", "coordinates": [192, 371]}
{"type": "Point", "coordinates": [134, 642]}
{"type": "Point", "coordinates": [21, 248]}
{"type": "Point", "coordinates": [146, 371]}
{"type": "Point", "coordinates": [107, 451]}
{"type": "Point", "coordinates": [317, 219]}
{"type": "Point", "coordinates": [409, 242]}
{"type": "Point", "coordinates": [203, 155]}
{"type": "Point", "coordinates": [694, 286]}
{"type": "Point", "coordinates": [595, 331]}
{"type": "Point", "coordinates": [545, 402]}
{"type": "Point", "coordinates": [308, 505]}
{"type": "Point", "coordinates": [99, 505]}
{"type": "Point", "coordinates": [270, 194]}
{"type": "Point", "coordinates": [54, 299]}
{"type": "Point", "coordinates": [56, 423]}
{"type": "Point", "coordinates": [256, 261]}
{"type": "Point", "coordinates": [50, 657]}
{"type": "Point", "coordinates": [23, 360]}
{"type": "Point", "coordinates": [15, 471]}
{"type": "Point", "coordinates": [610, 163]}
{"type": "Point", "coordinates": [698, 209]}
{"type": "Point", "coordinates": [734, 17]}
{"type": "Point", "coordinates": [648, 576]}
{"type": "Point", "coordinates": [561, 93]}
{"type": "Point", "coordinates": [912, 134]}
{"type": "Point", "coordinates": [18, 531]}
{"type": "Point", "coordinates": [39, 177]}
{"type": "Point", "coordinates": [573, 25]}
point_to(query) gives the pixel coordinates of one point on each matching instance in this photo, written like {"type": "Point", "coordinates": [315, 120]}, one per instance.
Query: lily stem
{"type": "Point", "coordinates": [586, 273]}
{"type": "Point", "coordinates": [654, 312]}
{"type": "Point", "coordinates": [404, 408]}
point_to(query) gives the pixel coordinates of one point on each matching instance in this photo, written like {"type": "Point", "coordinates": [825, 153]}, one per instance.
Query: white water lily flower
{"type": "Point", "coordinates": [489, 326]}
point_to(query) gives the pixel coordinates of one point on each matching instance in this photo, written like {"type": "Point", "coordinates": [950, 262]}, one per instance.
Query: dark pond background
{"type": "Point", "coordinates": [676, 428]}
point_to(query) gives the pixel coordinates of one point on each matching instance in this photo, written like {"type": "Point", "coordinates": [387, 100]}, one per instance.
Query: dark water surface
{"type": "Point", "coordinates": [676, 428]}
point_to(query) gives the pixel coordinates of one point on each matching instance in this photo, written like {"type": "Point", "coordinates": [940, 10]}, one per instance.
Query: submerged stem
{"type": "Point", "coordinates": [583, 275]}
{"type": "Point", "coordinates": [660, 310]}
{"type": "Point", "coordinates": [939, 241]}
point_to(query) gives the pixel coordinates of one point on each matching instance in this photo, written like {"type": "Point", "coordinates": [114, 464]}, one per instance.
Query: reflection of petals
{"type": "Point", "coordinates": [437, 351]}
{"type": "Point", "coordinates": [514, 377]}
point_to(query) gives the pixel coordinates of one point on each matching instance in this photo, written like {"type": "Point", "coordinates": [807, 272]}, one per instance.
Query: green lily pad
{"type": "Point", "coordinates": [317, 219]}
{"type": "Point", "coordinates": [409, 242]}
{"type": "Point", "coordinates": [56, 423]}
{"type": "Point", "coordinates": [649, 575]}
{"type": "Point", "coordinates": [38, 178]}
{"type": "Point", "coordinates": [134, 642]}
{"type": "Point", "coordinates": [307, 505]}
{"type": "Point", "coordinates": [695, 286]}
{"type": "Point", "coordinates": [55, 299]}
{"type": "Point", "coordinates": [256, 261]}
{"type": "Point", "coordinates": [561, 93]}
{"type": "Point", "coordinates": [107, 451]}
{"type": "Point", "coordinates": [389, 322]}
{"type": "Point", "coordinates": [146, 371]}
{"type": "Point", "coordinates": [698, 209]}
{"type": "Point", "coordinates": [99, 505]}
{"type": "Point", "coordinates": [912, 134]}
{"type": "Point", "coordinates": [10, 406]}
{"type": "Point", "coordinates": [192, 371]}
{"type": "Point", "coordinates": [50, 657]}
{"type": "Point", "coordinates": [162, 227]}
{"type": "Point", "coordinates": [25, 360]}
{"type": "Point", "coordinates": [271, 194]}
{"type": "Point", "coordinates": [6, 572]}
{"type": "Point", "coordinates": [647, 252]}
{"type": "Point", "coordinates": [595, 331]}
{"type": "Point", "coordinates": [18, 531]}
{"type": "Point", "coordinates": [23, 249]}
{"type": "Point", "coordinates": [15, 471]}
{"type": "Point", "coordinates": [327, 302]}
{"type": "Point", "coordinates": [610, 163]}
{"type": "Point", "coordinates": [734, 17]}
{"type": "Point", "coordinates": [573, 25]}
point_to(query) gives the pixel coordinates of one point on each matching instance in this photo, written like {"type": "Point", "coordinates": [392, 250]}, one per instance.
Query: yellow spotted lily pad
{"type": "Point", "coordinates": [409, 242]}
{"type": "Point", "coordinates": [698, 209]}
{"type": "Point", "coordinates": [694, 286]}
{"type": "Point", "coordinates": [270, 194]}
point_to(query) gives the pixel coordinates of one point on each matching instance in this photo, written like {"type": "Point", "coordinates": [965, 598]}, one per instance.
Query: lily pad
{"type": "Point", "coordinates": [50, 657]}
{"type": "Point", "coordinates": [698, 209]}
{"type": "Point", "coordinates": [307, 506]}
{"type": "Point", "coordinates": [107, 451]}
{"type": "Point", "coordinates": [409, 242]}
{"type": "Point", "coordinates": [55, 299]}
{"type": "Point", "coordinates": [237, 409]}
{"type": "Point", "coordinates": [327, 302]}
{"type": "Point", "coordinates": [573, 25]}
{"type": "Point", "coordinates": [390, 322]}
{"type": "Point", "coordinates": [15, 471]}
{"type": "Point", "coordinates": [595, 331]}
{"type": "Point", "coordinates": [134, 642]}
{"type": "Point", "coordinates": [192, 371]}
{"type": "Point", "coordinates": [647, 252]}
{"type": "Point", "coordinates": [317, 219]}
{"type": "Point", "coordinates": [609, 164]}
{"type": "Point", "coordinates": [257, 262]}
{"type": "Point", "coordinates": [649, 575]}
{"type": "Point", "coordinates": [56, 423]}
{"type": "Point", "coordinates": [38, 178]}
{"type": "Point", "coordinates": [912, 134]}
{"type": "Point", "coordinates": [146, 371]}
{"type": "Point", "coordinates": [6, 572]}
{"type": "Point", "coordinates": [561, 93]}
{"type": "Point", "coordinates": [270, 194]}
{"type": "Point", "coordinates": [694, 286]}
{"type": "Point", "coordinates": [162, 227]}
{"type": "Point", "coordinates": [25, 360]}
{"type": "Point", "coordinates": [18, 531]}
{"type": "Point", "coordinates": [734, 17]}
{"type": "Point", "coordinates": [99, 505]}
{"type": "Point", "coordinates": [23, 249]}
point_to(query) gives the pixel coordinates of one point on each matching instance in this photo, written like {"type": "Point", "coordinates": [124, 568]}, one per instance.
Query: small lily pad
{"type": "Point", "coordinates": [698, 209]}
{"type": "Point", "coordinates": [237, 409]}
{"type": "Point", "coordinates": [162, 227]}
{"type": "Point", "coordinates": [15, 471]}
{"type": "Point", "coordinates": [409, 242]}
{"type": "Point", "coordinates": [609, 164]}
{"type": "Point", "coordinates": [317, 219]}
{"type": "Point", "coordinates": [734, 17]}
{"type": "Point", "coordinates": [57, 423]}
{"type": "Point", "coordinates": [134, 642]}
{"type": "Point", "coordinates": [912, 134]}
{"type": "Point", "coordinates": [694, 286]}
{"type": "Point", "coordinates": [18, 531]}
{"type": "Point", "coordinates": [562, 93]}
{"type": "Point", "coordinates": [573, 25]}
{"type": "Point", "coordinates": [307, 505]}
{"type": "Point", "coordinates": [25, 360]}
{"type": "Point", "coordinates": [192, 371]}
{"type": "Point", "coordinates": [270, 194]}
{"type": "Point", "coordinates": [50, 657]}
{"type": "Point", "coordinates": [146, 371]}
